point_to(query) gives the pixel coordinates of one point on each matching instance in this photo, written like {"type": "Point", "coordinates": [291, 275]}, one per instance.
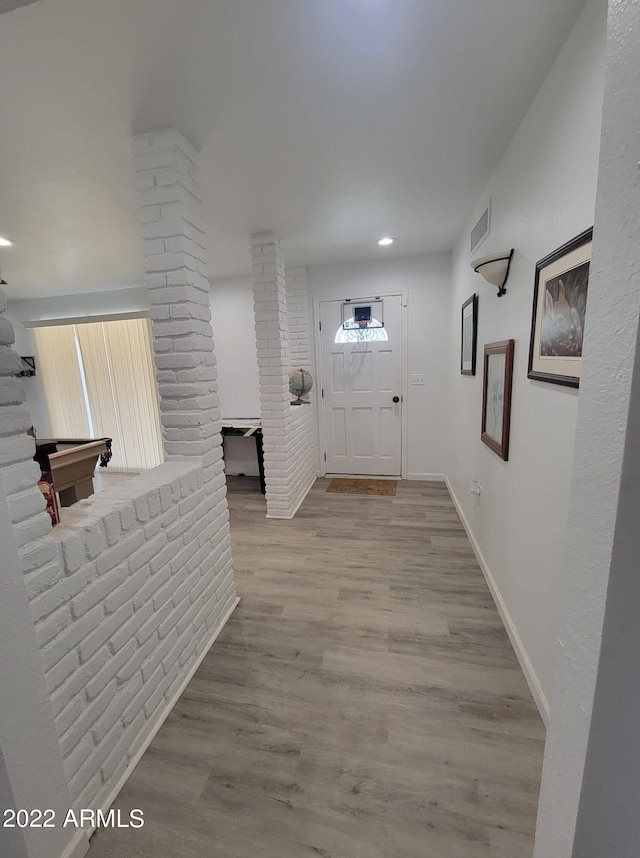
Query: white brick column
{"type": "Point", "coordinates": [272, 345]}
{"type": "Point", "coordinates": [178, 291]}
{"type": "Point", "coordinates": [177, 283]}
{"type": "Point", "coordinates": [18, 471]}
{"type": "Point", "coordinates": [31, 769]}
{"type": "Point", "coordinates": [287, 483]}
{"type": "Point", "coordinates": [299, 318]}
{"type": "Point", "coordinates": [305, 441]}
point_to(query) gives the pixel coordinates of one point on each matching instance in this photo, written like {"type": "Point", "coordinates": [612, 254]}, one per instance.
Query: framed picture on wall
{"type": "Point", "coordinates": [559, 312]}
{"type": "Point", "coordinates": [469, 336]}
{"type": "Point", "coordinates": [496, 396]}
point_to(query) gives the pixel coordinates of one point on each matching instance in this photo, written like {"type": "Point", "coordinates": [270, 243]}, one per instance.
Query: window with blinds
{"type": "Point", "coordinates": [99, 382]}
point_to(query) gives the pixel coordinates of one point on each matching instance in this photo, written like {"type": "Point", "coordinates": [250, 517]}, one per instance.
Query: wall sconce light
{"type": "Point", "coordinates": [495, 269]}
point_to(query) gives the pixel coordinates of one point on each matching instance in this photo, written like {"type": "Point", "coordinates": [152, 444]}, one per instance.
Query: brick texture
{"type": "Point", "coordinates": [298, 318]}
{"type": "Point", "coordinates": [304, 448]}
{"type": "Point", "coordinates": [289, 436]}
{"type": "Point", "coordinates": [130, 590]}
{"type": "Point", "coordinates": [19, 475]}
{"type": "Point", "coordinates": [119, 630]}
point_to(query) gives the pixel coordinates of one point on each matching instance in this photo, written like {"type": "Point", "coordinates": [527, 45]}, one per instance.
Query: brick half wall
{"type": "Point", "coordinates": [133, 600]}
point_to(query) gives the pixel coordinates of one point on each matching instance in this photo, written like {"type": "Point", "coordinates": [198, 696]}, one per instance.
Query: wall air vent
{"type": "Point", "coordinates": [482, 229]}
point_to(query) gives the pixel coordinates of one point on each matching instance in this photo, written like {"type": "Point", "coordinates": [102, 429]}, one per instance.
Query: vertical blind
{"type": "Point", "coordinates": [62, 381]}
{"type": "Point", "coordinates": [99, 382]}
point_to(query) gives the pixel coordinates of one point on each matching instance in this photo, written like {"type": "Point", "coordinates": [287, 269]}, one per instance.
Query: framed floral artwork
{"type": "Point", "coordinates": [559, 312]}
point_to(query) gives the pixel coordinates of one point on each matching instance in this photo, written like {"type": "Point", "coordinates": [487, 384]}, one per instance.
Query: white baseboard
{"type": "Point", "coordinates": [428, 478]}
{"type": "Point", "coordinates": [516, 642]}
{"type": "Point", "coordinates": [162, 717]}
{"type": "Point", "coordinates": [79, 845]}
{"type": "Point", "coordinates": [331, 476]}
{"type": "Point", "coordinates": [297, 506]}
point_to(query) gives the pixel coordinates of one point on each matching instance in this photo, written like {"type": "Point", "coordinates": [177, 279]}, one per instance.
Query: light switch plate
{"type": "Point", "coordinates": [417, 378]}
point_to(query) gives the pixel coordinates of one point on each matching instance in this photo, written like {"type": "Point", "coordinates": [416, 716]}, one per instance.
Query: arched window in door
{"type": "Point", "coordinates": [351, 333]}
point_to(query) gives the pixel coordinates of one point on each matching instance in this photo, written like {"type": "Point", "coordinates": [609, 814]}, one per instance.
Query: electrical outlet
{"type": "Point", "coordinates": [417, 379]}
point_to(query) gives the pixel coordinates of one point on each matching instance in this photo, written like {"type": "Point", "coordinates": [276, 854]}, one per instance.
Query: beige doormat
{"type": "Point", "coordinates": [343, 486]}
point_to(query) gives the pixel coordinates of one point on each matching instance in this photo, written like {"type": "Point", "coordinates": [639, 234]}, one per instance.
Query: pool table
{"type": "Point", "coordinates": [71, 462]}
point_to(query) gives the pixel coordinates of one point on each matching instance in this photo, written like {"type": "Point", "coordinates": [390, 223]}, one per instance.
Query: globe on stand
{"type": "Point", "coordinates": [300, 383]}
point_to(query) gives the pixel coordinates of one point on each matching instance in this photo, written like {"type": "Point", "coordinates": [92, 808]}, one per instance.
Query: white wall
{"type": "Point", "coordinates": [543, 194]}
{"type": "Point", "coordinates": [426, 281]}
{"type": "Point", "coordinates": [234, 335]}
{"type": "Point", "coordinates": [11, 839]}
{"type": "Point", "coordinates": [235, 339]}
{"type": "Point", "coordinates": [599, 779]}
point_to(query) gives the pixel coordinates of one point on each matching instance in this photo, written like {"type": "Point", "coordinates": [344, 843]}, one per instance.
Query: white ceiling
{"type": "Point", "coordinates": [331, 122]}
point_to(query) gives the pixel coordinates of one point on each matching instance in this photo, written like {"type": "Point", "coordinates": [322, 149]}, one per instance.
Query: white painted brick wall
{"type": "Point", "coordinates": [178, 291]}
{"type": "Point", "coordinates": [130, 590]}
{"type": "Point", "coordinates": [282, 319]}
{"type": "Point", "coordinates": [304, 450]}
{"type": "Point", "coordinates": [19, 475]}
{"type": "Point", "coordinates": [129, 614]}
{"type": "Point", "coordinates": [298, 315]}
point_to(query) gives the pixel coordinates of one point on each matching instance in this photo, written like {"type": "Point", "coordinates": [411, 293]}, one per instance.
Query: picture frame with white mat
{"type": "Point", "coordinates": [496, 396]}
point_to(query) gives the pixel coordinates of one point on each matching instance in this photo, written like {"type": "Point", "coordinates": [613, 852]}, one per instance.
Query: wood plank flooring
{"type": "Point", "coordinates": [363, 700]}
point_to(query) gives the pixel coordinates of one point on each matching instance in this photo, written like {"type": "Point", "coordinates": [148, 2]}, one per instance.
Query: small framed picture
{"type": "Point", "coordinates": [469, 336]}
{"type": "Point", "coordinates": [559, 312]}
{"type": "Point", "coordinates": [496, 396]}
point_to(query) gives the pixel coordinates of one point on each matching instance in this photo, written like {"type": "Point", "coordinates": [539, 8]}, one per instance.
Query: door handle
{"type": "Point", "coordinates": [396, 399]}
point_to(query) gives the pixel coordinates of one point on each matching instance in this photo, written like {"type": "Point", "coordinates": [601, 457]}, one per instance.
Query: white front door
{"type": "Point", "coordinates": [362, 387]}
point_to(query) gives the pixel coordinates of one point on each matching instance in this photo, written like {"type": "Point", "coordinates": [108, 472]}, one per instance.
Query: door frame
{"type": "Point", "coordinates": [404, 363]}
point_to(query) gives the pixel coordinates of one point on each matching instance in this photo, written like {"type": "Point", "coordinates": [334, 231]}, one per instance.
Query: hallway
{"type": "Point", "coordinates": [363, 700]}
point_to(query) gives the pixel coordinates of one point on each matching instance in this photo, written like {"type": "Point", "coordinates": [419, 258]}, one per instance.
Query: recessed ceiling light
{"type": "Point", "coordinates": [385, 241]}
{"type": "Point", "coordinates": [5, 242]}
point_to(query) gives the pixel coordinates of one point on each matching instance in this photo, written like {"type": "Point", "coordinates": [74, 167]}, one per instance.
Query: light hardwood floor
{"type": "Point", "coordinates": [362, 702]}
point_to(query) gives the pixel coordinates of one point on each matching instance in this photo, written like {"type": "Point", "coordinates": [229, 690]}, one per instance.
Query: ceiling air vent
{"type": "Point", "coordinates": [481, 229]}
